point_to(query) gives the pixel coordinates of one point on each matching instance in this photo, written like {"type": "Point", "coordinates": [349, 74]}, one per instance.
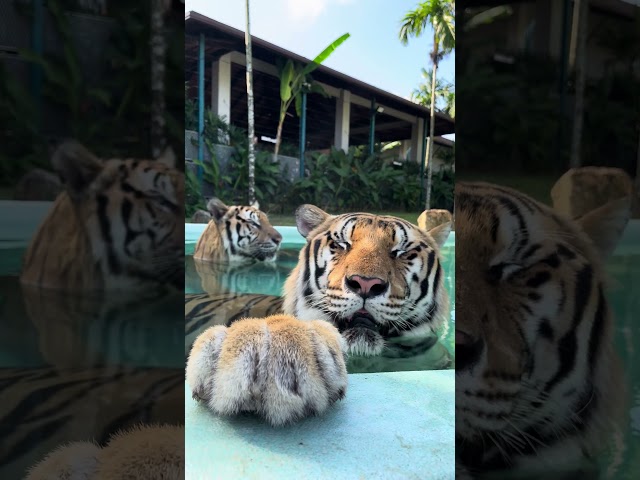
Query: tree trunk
{"type": "Point", "coordinates": [279, 136]}
{"type": "Point", "coordinates": [578, 60]}
{"type": "Point", "coordinates": [250, 120]}
{"type": "Point", "coordinates": [158, 50]}
{"type": "Point", "coordinates": [432, 121]}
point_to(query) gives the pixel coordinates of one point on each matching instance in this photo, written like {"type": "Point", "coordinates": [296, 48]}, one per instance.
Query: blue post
{"type": "Point", "coordinates": [424, 153]}
{"type": "Point", "coordinates": [372, 126]}
{"type": "Point", "coordinates": [200, 105]}
{"type": "Point", "coordinates": [36, 46]}
{"type": "Point", "coordinates": [303, 131]}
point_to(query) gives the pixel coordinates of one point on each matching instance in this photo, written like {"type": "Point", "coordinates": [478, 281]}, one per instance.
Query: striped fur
{"type": "Point", "coordinates": [537, 381]}
{"type": "Point", "coordinates": [205, 310]}
{"type": "Point", "coordinates": [237, 234]}
{"type": "Point", "coordinates": [117, 226]}
{"type": "Point", "coordinates": [45, 408]}
{"type": "Point", "coordinates": [404, 318]}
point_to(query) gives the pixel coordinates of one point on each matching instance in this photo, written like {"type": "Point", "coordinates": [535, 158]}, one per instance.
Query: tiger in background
{"type": "Point", "coordinates": [117, 226]}
{"type": "Point", "coordinates": [237, 234]}
{"type": "Point", "coordinates": [537, 381]}
{"type": "Point", "coordinates": [376, 281]}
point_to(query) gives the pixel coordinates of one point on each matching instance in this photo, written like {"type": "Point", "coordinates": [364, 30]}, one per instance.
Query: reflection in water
{"type": "Point", "coordinates": [81, 369]}
{"type": "Point", "coordinates": [215, 278]}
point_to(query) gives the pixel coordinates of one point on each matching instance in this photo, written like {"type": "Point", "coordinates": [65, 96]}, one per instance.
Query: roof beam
{"type": "Point", "coordinates": [261, 66]}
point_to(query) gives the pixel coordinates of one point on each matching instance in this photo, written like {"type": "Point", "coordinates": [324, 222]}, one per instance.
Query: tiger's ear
{"type": "Point", "coordinates": [167, 157]}
{"type": "Point", "coordinates": [217, 208]}
{"type": "Point", "coordinates": [440, 233]}
{"type": "Point", "coordinates": [308, 217]}
{"type": "Point", "coordinates": [605, 224]}
{"type": "Point", "coordinates": [77, 167]}
{"type": "Point", "coordinates": [256, 205]}
{"type": "Point", "coordinates": [422, 220]}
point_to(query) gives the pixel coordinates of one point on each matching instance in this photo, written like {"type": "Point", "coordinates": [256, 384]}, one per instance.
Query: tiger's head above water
{"type": "Point", "coordinates": [237, 234]}
{"type": "Point", "coordinates": [536, 377]}
{"type": "Point", "coordinates": [117, 226]}
{"type": "Point", "coordinates": [377, 278]}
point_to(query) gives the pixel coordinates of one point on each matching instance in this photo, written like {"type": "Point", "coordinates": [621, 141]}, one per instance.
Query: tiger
{"type": "Point", "coordinates": [237, 234]}
{"type": "Point", "coordinates": [377, 283]}
{"type": "Point", "coordinates": [117, 226]}
{"type": "Point", "coordinates": [537, 381]}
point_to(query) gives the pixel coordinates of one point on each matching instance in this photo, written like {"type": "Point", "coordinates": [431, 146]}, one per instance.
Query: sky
{"type": "Point", "coordinates": [373, 53]}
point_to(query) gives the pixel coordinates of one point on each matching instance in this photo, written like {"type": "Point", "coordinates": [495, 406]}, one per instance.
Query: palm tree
{"type": "Point", "coordinates": [251, 159]}
{"type": "Point", "coordinates": [445, 94]}
{"type": "Point", "coordinates": [439, 14]}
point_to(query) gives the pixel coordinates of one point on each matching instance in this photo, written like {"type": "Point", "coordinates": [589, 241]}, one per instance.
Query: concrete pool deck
{"type": "Point", "coordinates": [389, 426]}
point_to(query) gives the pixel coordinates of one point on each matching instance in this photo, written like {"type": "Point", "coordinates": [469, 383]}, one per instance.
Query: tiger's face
{"type": "Point", "coordinates": [245, 232]}
{"type": "Point", "coordinates": [132, 212]}
{"type": "Point", "coordinates": [533, 357]}
{"type": "Point", "coordinates": [376, 278]}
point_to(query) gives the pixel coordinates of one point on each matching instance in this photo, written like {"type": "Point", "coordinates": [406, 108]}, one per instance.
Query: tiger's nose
{"type": "Point", "coordinates": [366, 287]}
{"type": "Point", "coordinates": [277, 238]}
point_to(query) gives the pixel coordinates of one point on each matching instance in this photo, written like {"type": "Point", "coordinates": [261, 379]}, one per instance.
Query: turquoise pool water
{"type": "Point", "coordinates": [268, 279]}
{"type": "Point", "coordinates": [624, 269]}
{"type": "Point", "coordinates": [79, 369]}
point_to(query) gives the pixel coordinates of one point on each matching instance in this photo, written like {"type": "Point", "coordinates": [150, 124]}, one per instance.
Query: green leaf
{"type": "Point", "coordinates": [322, 56]}
{"type": "Point", "coordinates": [285, 81]}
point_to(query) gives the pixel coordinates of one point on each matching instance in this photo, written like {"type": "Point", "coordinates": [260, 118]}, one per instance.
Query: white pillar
{"type": "Point", "coordinates": [221, 87]}
{"type": "Point", "coordinates": [417, 140]}
{"type": "Point", "coordinates": [343, 117]}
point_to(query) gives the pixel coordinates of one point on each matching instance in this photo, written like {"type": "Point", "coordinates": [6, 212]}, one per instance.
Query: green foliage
{"type": "Point", "coordinates": [110, 115]}
{"type": "Point", "coordinates": [442, 189]}
{"type": "Point", "coordinates": [295, 78]}
{"type": "Point", "coordinates": [353, 180]}
{"type": "Point", "coordinates": [193, 196]}
{"type": "Point", "coordinates": [231, 183]}
{"type": "Point", "coordinates": [445, 93]}
{"type": "Point", "coordinates": [66, 85]}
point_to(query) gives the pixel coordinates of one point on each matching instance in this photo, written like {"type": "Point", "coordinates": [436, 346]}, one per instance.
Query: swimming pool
{"type": "Point", "coordinates": [623, 462]}
{"type": "Point", "coordinates": [407, 416]}
{"type": "Point", "coordinates": [268, 278]}
{"type": "Point", "coordinates": [78, 368]}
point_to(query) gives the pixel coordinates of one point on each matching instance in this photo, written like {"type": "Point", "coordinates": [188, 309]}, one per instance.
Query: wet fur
{"type": "Point", "coordinates": [236, 234]}
{"type": "Point", "coordinates": [537, 381]}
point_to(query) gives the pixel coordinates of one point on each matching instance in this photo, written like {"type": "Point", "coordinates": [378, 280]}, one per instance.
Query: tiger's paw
{"type": "Point", "coordinates": [279, 367]}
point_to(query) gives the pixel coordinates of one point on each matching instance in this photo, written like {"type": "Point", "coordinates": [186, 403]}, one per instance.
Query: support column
{"type": "Point", "coordinates": [343, 117]}
{"type": "Point", "coordinates": [221, 87]}
{"type": "Point", "coordinates": [418, 133]}
{"type": "Point", "coordinates": [303, 131]}
{"type": "Point", "coordinates": [200, 106]}
{"type": "Point", "coordinates": [372, 125]}
{"type": "Point", "coordinates": [36, 46]}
